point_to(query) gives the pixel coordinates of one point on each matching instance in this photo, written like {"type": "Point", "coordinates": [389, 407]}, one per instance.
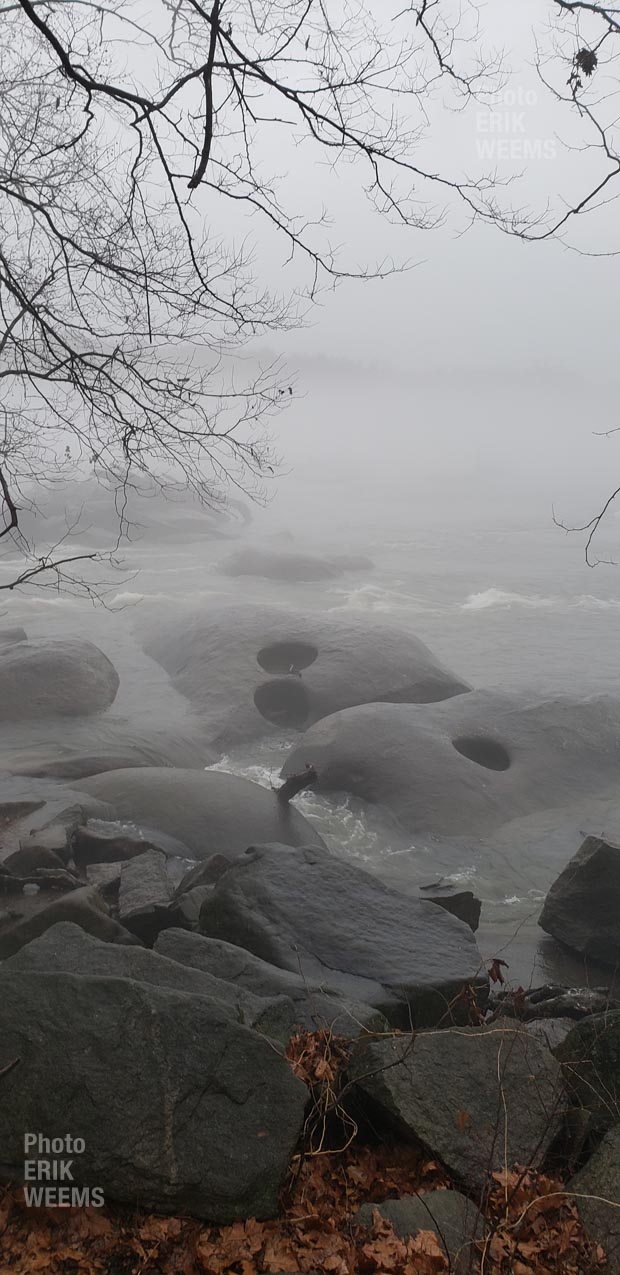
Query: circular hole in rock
{"type": "Point", "coordinates": [283, 703]}
{"type": "Point", "coordinates": [484, 752]}
{"type": "Point", "coordinates": [287, 657]}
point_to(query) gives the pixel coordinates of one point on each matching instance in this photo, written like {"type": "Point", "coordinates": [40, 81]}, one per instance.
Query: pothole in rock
{"type": "Point", "coordinates": [484, 752]}
{"type": "Point", "coordinates": [284, 703]}
{"type": "Point", "coordinates": [287, 657]}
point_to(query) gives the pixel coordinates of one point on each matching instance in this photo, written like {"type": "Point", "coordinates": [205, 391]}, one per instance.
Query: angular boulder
{"type": "Point", "coordinates": [597, 1196]}
{"type": "Point", "coordinates": [71, 677]}
{"type": "Point", "coordinates": [67, 949]}
{"type": "Point", "coordinates": [145, 892]}
{"type": "Point", "coordinates": [307, 911]}
{"type": "Point", "coordinates": [211, 812]}
{"type": "Point", "coordinates": [461, 903]}
{"type": "Point", "coordinates": [454, 1219]}
{"type": "Point", "coordinates": [180, 1110]}
{"type": "Point", "coordinates": [478, 1098]}
{"type": "Point", "coordinates": [100, 841]}
{"type": "Point", "coordinates": [582, 908]}
{"type": "Point", "coordinates": [315, 1007]}
{"type": "Point", "coordinates": [248, 670]}
{"type": "Point", "coordinates": [32, 916]}
{"type": "Point", "coordinates": [590, 1057]}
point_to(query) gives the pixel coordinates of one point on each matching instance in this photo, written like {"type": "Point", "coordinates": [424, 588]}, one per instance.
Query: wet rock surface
{"type": "Point", "coordinates": [309, 912]}
{"type": "Point", "coordinates": [453, 1217]}
{"type": "Point", "coordinates": [70, 677]}
{"type": "Point", "coordinates": [404, 758]}
{"type": "Point", "coordinates": [583, 905]}
{"type": "Point", "coordinates": [210, 812]}
{"type": "Point", "coordinates": [246, 669]}
{"type": "Point", "coordinates": [478, 1098]}
{"type": "Point", "coordinates": [181, 1110]}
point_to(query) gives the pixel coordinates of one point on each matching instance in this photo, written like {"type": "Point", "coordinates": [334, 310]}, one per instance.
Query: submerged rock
{"type": "Point", "coordinates": [249, 669]}
{"type": "Point", "coordinates": [71, 677]}
{"type": "Point", "coordinates": [480, 1099]}
{"type": "Point", "coordinates": [466, 766]}
{"type": "Point", "coordinates": [181, 1110]}
{"type": "Point", "coordinates": [307, 911]}
{"type": "Point", "coordinates": [582, 908]}
{"type": "Point", "coordinates": [290, 566]}
{"type": "Point", "coordinates": [210, 812]}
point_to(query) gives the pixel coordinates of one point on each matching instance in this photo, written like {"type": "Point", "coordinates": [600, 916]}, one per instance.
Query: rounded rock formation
{"type": "Point", "coordinates": [71, 677]}
{"type": "Point", "coordinates": [249, 669]}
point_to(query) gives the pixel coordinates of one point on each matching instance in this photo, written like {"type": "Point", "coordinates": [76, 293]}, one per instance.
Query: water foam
{"type": "Point", "coordinates": [502, 598]}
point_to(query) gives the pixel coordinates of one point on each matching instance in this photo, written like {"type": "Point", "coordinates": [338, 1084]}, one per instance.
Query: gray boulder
{"type": "Point", "coordinates": [55, 679]}
{"type": "Point", "coordinates": [105, 876]}
{"type": "Point", "coordinates": [32, 806]}
{"type": "Point", "coordinates": [550, 1031]}
{"type": "Point", "coordinates": [205, 873]}
{"type": "Point", "coordinates": [464, 767]}
{"type": "Point", "coordinates": [50, 848]}
{"type": "Point", "coordinates": [180, 1110]}
{"type": "Point", "coordinates": [478, 1098]}
{"type": "Point", "coordinates": [28, 917]}
{"type": "Point", "coordinates": [207, 810]}
{"type": "Point", "coordinates": [248, 670]}
{"type": "Point", "coordinates": [454, 1218]}
{"type": "Point", "coordinates": [590, 1056]}
{"type": "Point", "coordinates": [582, 908]}
{"type": "Point", "coordinates": [314, 1006]}
{"type": "Point", "coordinates": [597, 1196]}
{"type": "Point", "coordinates": [144, 896]}
{"type": "Point", "coordinates": [105, 841]}
{"type": "Point", "coordinates": [307, 911]}
{"type": "Point", "coordinates": [274, 564]}
{"type": "Point", "coordinates": [289, 566]}
{"type": "Point", "coordinates": [461, 903]}
{"type": "Point", "coordinates": [66, 949]}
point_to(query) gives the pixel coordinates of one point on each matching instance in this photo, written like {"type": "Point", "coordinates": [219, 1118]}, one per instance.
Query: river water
{"type": "Point", "coordinates": [503, 606]}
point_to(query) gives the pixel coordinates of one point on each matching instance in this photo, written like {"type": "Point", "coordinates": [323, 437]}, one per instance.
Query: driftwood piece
{"type": "Point", "coordinates": [296, 783]}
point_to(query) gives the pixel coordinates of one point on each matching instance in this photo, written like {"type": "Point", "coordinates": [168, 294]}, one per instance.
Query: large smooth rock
{"type": "Point", "coordinates": [590, 1056]}
{"type": "Point", "coordinates": [211, 812]}
{"type": "Point", "coordinates": [315, 1007]}
{"type": "Point", "coordinates": [478, 1098]}
{"type": "Point", "coordinates": [307, 911]}
{"type": "Point", "coordinates": [181, 1110]}
{"type": "Point", "coordinates": [289, 566]}
{"type": "Point", "coordinates": [597, 1196]}
{"type": "Point", "coordinates": [71, 677]}
{"type": "Point", "coordinates": [249, 669]}
{"type": "Point", "coordinates": [28, 917]}
{"type": "Point", "coordinates": [453, 1217]}
{"type": "Point", "coordinates": [466, 766]}
{"type": "Point", "coordinates": [582, 908]}
{"type": "Point", "coordinates": [67, 949]}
